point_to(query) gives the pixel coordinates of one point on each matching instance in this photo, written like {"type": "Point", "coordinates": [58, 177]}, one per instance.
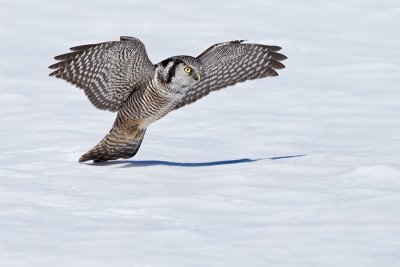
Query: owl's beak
{"type": "Point", "coordinates": [197, 78]}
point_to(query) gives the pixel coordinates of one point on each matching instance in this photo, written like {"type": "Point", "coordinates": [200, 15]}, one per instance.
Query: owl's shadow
{"type": "Point", "coordinates": [149, 163]}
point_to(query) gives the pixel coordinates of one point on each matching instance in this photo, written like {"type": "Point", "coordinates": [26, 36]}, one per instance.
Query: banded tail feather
{"type": "Point", "coordinates": [118, 143]}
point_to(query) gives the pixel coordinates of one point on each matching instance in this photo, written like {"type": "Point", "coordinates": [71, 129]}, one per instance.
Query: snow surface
{"type": "Point", "coordinates": [298, 170]}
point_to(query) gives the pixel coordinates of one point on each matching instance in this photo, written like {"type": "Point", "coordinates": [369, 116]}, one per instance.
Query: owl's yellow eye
{"type": "Point", "coordinates": [187, 69]}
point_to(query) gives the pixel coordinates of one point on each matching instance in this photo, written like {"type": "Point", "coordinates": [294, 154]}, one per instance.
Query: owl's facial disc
{"type": "Point", "coordinates": [185, 75]}
{"type": "Point", "coordinates": [180, 73]}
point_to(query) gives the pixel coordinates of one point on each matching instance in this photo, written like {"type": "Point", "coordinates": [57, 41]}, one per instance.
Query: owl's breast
{"type": "Point", "coordinates": [149, 105]}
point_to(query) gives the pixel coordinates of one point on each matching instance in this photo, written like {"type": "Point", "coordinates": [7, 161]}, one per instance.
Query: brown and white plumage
{"type": "Point", "coordinates": [107, 72]}
{"type": "Point", "coordinates": [118, 76]}
{"type": "Point", "coordinates": [228, 63]}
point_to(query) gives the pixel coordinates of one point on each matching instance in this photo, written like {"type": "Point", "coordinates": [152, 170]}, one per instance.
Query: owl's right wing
{"type": "Point", "coordinates": [107, 72]}
{"type": "Point", "coordinates": [228, 63]}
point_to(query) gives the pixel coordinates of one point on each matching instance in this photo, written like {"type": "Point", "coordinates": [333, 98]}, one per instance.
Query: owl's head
{"type": "Point", "coordinates": [180, 72]}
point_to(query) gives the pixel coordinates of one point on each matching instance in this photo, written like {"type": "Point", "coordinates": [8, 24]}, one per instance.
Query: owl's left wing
{"type": "Point", "coordinates": [228, 63]}
{"type": "Point", "coordinates": [107, 72]}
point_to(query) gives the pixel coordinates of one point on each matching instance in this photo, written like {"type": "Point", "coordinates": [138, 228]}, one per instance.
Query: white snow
{"type": "Point", "coordinates": [213, 183]}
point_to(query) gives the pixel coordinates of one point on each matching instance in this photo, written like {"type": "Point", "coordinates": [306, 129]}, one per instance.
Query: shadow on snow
{"type": "Point", "coordinates": [148, 163]}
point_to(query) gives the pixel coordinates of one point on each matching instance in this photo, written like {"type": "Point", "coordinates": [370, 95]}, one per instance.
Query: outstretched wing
{"type": "Point", "coordinates": [226, 64]}
{"type": "Point", "coordinates": [108, 72]}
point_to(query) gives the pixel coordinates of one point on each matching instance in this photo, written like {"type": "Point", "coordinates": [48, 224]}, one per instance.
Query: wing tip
{"type": "Point", "coordinates": [58, 57]}
{"type": "Point", "coordinates": [273, 73]}
{"type": "Point", "coordinates": [277, 65]}
{"type": "Point", "coordinates": [55, 72]}
{"type": "Point", "coordinates": [53, 66]}
{"type": "Point", "coordinates": [79, 48]}
{"type": "Point", "coordinates": [127, 38]}
{"type": "Point", "coordinates": [274, 48]}
{"type": "Point", "coordinates": [281, 57]}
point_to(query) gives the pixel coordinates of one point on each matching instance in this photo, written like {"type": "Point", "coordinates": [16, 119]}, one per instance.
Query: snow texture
{"type": "Point", "coordinates": [298, 170]}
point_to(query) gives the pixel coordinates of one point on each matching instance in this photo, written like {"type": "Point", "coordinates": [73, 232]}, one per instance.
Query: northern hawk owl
{"type": "Point", "coordinates": [118, 76]}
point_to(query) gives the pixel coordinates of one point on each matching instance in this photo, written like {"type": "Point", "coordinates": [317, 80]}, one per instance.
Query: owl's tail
{"type": "Point", "coordinates": [118, 143]}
